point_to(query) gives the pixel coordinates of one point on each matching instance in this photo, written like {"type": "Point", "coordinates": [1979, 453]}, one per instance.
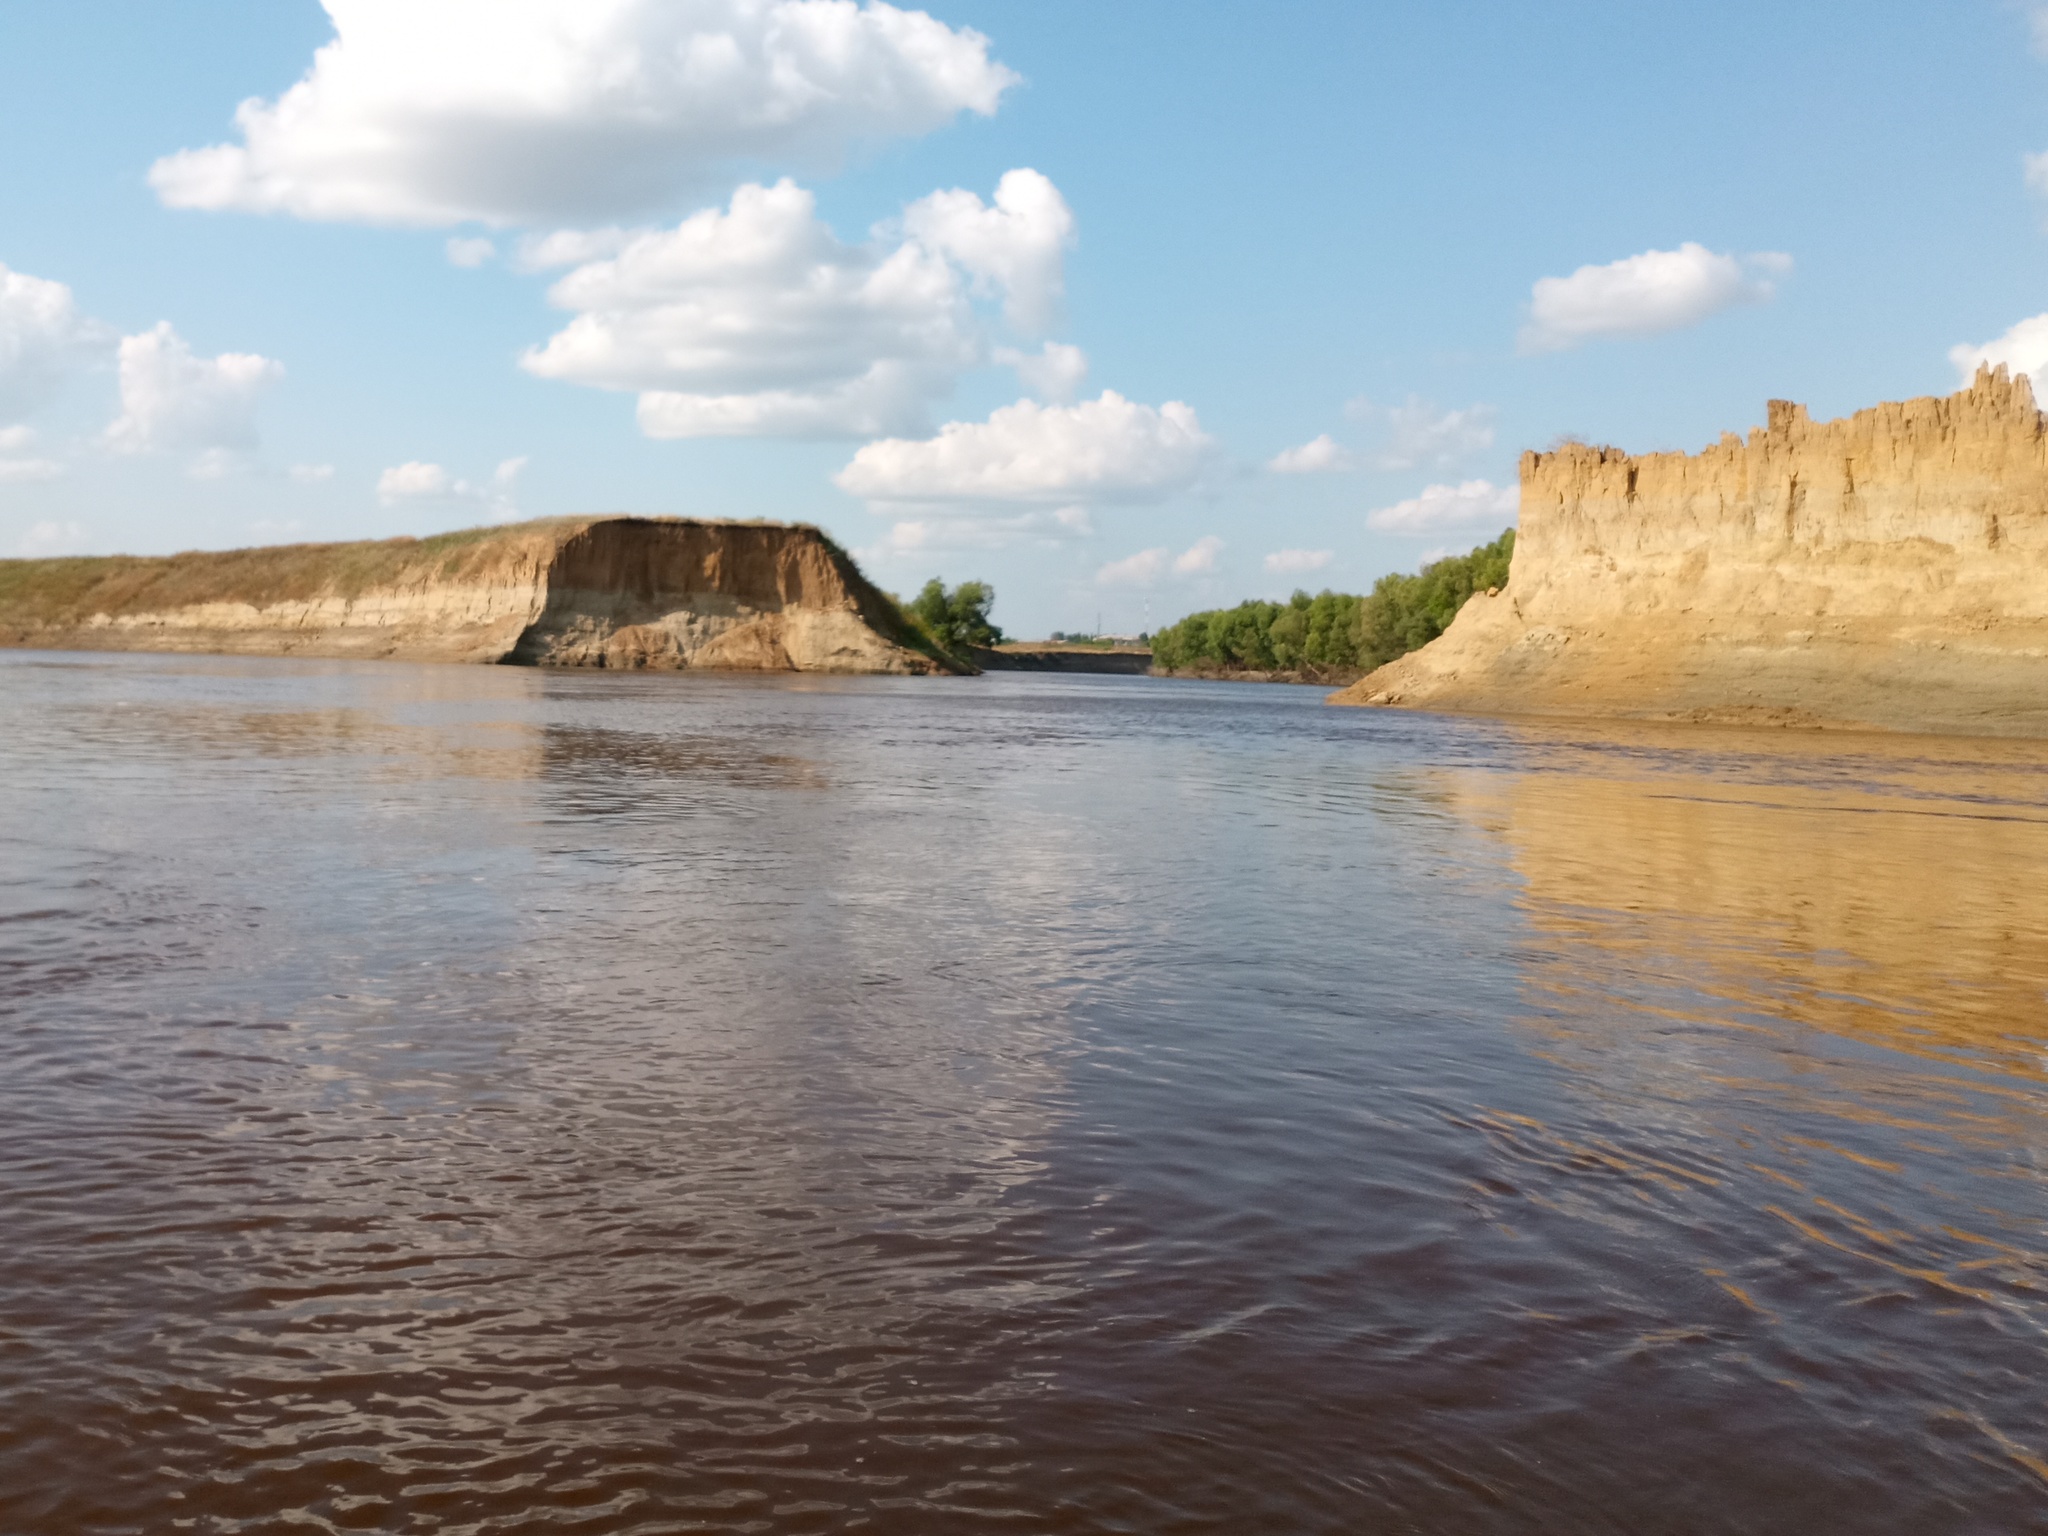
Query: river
{"type": "Point", "coordinates": [485, 1100]}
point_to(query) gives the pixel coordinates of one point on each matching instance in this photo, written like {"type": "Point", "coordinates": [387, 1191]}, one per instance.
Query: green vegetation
{"type": "Point", "coordinates": [1335, 631]}
{"type": "Point", "coordinates": [957, 619]}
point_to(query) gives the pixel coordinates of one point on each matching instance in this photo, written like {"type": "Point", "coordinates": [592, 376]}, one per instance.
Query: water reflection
{"type": "Point", "coordinates": [1800, 988]}
{"type": "Point", "coordinates": [610, 772]}
{"type": "Point", "coordinates": [1888, 892]}
{"type": "Point", "coordinates": [563, 1098]}
{"type": "Point", "coordinates": [452, 1100]}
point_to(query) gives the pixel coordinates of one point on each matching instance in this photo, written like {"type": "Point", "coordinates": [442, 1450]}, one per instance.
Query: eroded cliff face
{"type": "Point", "coordinates": [1886, 570]}
{"type": "Point", "coordinates": [608, 592]}
{"type": "Point", "coordinates": [747, 597]}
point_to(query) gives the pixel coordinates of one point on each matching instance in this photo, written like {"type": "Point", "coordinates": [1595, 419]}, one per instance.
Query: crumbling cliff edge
{"type": "Point", "coordinates": [1888, 570]}
{"type": "Point", "coordinates": [578, 592]}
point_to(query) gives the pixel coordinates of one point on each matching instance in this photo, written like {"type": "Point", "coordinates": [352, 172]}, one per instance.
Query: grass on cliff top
{"type": "Point", "coordinates": [70, 589]}
{"type": "Point", "coordinates": [76, 586]}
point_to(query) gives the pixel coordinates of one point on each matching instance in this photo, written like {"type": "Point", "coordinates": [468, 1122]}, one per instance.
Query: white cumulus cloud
{"type": "Point", "coordinates": [529, 112]}
{"type": "Point", "coordinates": [413, 481]}
{"type": "Point", "coordinates": [173, 398]}
{"type": "Point", "coordinates": [1107, 449]}
{"type": "Point", "coordinates": [1297, 562]}
{"type": "Point", "coordinates": [1469, 504]}
{"type": "Point", "coordinates": [418, 481]}
{"type": "Point", "coordinates": [1318, 456]}
{"type": "Point", "coordinates": [953, 531]}
{"type": "Point", "coordinates": [2034, 169]}
{"type": "Point", "coordinates": [43, 338]}
{"type": "Point", "coordinates": [757, 320]}
{"type": "Point", "coordinates": [170, 397]}
{"type": "Point", "coordinates": [470, 251]}
{"type": "Point", "coordinates": [1015, 246]}
{"type": "Point", "coordinates": [1149, 566]}
{"type": "Point", "coordinates": [1642, 295]}
{"type": "Point", "coordinates": [569, 247]}
{"type": "Point", "coordinates": [1054, 373]}
{"type": "Point", "coordinates": [1139, 570]}
{"type": "Point", "coordinates": [2022, 349]}
{"type": "Point", "coordinates": [1419, 434]}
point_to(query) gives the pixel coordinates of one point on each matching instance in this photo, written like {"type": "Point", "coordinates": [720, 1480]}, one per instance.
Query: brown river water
{"type": "Point", "coordinates": [488, 1101]}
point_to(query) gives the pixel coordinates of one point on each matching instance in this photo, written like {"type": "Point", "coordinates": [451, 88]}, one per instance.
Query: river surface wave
{"type": "Point", "coordinates": [454, 1100]}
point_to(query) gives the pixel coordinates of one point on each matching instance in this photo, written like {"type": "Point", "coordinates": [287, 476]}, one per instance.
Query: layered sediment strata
{"type": "Point", "coordinates": [1885, 570]}
{"type": "Point", "coordinates": [602, 592]}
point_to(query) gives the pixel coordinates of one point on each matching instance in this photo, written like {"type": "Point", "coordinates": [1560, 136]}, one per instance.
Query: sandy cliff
{"type": "Point", "coordinates": [603, 592]}
{"type": "Point", "coordinates": [1889, 569]}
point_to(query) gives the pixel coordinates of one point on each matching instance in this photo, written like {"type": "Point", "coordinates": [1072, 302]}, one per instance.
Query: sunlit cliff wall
{"type": "Point", "coordinates": [1888, 569]}
{"type": "Point", "coordinates": [607, 592]}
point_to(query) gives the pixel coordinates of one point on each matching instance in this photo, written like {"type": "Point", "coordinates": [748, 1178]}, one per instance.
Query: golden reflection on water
{"type": "Point", "coordinates": [1810, 975]}
{"type": "Point", "coordinates": [1888, 891]}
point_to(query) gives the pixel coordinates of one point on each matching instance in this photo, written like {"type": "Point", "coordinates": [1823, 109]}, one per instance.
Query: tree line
{"type": "Point", "coordinates": [1335, 631]}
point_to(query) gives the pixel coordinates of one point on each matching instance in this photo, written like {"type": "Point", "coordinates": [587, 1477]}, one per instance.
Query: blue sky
{"type": "Point", "coordinates": [1433, 236]}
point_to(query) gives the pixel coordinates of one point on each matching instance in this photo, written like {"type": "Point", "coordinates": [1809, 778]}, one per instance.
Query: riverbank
{"type": "Point", "coordinates": [1029, 656]}
{"type": "Point", "coordinates": [621, 592]}
{"type": "Point", "coordinates": [1320, 677]}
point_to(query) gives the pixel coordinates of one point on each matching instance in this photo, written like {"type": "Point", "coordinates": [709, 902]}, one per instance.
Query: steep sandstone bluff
{"type": "Point", "coordinates": [590, 592]}
{"type": "Point", "coordinates": [1887, 570]}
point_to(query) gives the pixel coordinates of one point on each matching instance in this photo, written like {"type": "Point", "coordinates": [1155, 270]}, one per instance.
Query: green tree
{"type": "Point", "coordinates": [1405, 613]}
{"type": "Point", "coordinates": [1336, 629]}
{"type": "Point", "coordinates": [957, 618]}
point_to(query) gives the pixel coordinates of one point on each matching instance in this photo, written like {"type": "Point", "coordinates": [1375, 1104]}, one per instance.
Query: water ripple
{"type": "Point", "coordinates": [485, 1101]}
